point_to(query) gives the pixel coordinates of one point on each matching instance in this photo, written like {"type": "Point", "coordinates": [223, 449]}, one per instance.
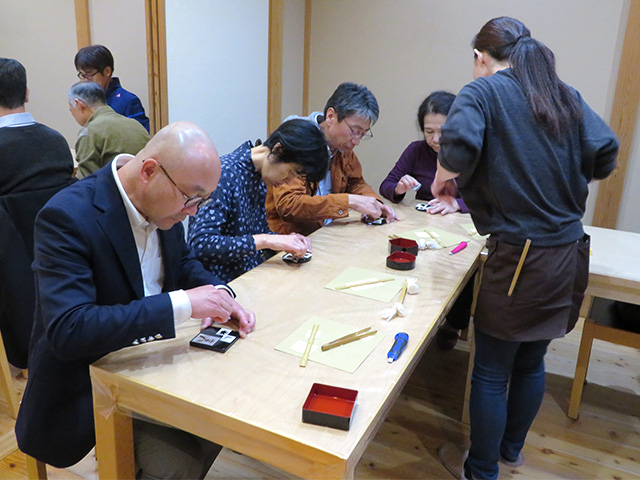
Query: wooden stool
{"type": "Point", "coordinates": [598, 324]}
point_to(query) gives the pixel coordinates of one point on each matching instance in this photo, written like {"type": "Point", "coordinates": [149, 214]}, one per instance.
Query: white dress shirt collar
{"type": "Point", "coordinates": [17, 120]}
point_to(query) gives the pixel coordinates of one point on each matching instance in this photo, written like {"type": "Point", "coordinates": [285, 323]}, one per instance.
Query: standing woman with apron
{"type": "Point", "coordinates": [522, 146]}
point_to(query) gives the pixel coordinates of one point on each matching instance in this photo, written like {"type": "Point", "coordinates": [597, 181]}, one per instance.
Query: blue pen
{"type": "Point", "coordinates": [400, 342]}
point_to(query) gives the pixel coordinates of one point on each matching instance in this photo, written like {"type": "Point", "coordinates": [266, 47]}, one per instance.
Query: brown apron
{"type": "Point", "coordinates": [545, 303]}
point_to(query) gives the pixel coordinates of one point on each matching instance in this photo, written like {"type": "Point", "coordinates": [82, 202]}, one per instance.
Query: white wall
{"type": "Point", "coordinates": [41, 35]}
{"type": "Point", "coordinates": [405, 49]}
{"type": "Point", "coordinates": [402, 50]}
{"type": "Point", "coordinates": [217, 67]}
{"type": "Point", "coordinates": [120, 26]}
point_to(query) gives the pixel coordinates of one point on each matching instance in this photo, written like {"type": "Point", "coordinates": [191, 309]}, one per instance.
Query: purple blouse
{"type": "Point", "coordinates": [420, 161]}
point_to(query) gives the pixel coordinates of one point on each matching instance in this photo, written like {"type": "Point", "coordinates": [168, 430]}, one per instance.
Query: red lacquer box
{"type": "Point", "coordinates": [403, 245]}
{"type": "Point", "coordinates": [329, 406]}
{"type": "Point", "coordinates": [401, 261]}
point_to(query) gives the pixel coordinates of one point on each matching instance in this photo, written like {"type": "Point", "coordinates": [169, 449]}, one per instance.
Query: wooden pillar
{"type": "Point", "coordinates": [623, 122]}
{"type": "Point", "coordinates": [274, 88]}
{"type": "Point", "coordinates": [83, 25]}
{"type": "Point", "coordinates": [157, 64]}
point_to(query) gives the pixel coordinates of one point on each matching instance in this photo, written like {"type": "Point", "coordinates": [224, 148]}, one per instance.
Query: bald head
{"type": "Point", "coordinates": [179, 162]}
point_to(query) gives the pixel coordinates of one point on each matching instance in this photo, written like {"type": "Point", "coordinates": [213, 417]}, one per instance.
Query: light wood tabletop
{"type": "Point", "coordinates": [250, 398]}
{"type": "Point", "coordinates": [614, 265]}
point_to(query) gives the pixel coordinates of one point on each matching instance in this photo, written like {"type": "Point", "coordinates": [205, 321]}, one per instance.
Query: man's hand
{"type": "Point", "coordinates": [244, 319]}
{"type": "Point", "coordinates": [367, 206]}
{"type": "Point", "coordinates": [213, 304]}
{"type": "Point", "coordinates": [210, 302]}
{"type": "Point", "coordinates": [389, 214]}
{"type": "Point", "coordinates": [406, 183]}
{"type": "Point", "coordinates": [293, 243]}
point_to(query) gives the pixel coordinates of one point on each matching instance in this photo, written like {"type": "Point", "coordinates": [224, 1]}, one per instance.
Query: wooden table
{"type": "Point", "coordinates": [614, 273]}
{"type": "Point", "coordinates": [250, 398]}
{"type": "Point", "coordinates": [614, 267]}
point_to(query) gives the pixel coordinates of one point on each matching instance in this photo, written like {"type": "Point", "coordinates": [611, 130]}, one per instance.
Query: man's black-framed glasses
{"type": "Point", "coordinates": [196, 200]}
{"type": "Point", "coordinates": [87, 76]}
{"type": "Point", "coordinates": [362, 135]}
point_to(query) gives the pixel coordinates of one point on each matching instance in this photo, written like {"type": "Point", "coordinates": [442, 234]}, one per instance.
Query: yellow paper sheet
{"type": "Point", "coordinates": [442, 237]}
{"type": "Point", "coordinates": [382, 292]}
{"type": "Point", "coordinates": [346, 357]}
{"type": "Point", "coordinates": [470, 228]}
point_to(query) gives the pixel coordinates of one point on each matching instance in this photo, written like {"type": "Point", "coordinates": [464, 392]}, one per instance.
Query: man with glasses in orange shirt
{"type": "Point", "coordinates": [302, 206]}
{"type": "Point", "coordinates": [95, 64]}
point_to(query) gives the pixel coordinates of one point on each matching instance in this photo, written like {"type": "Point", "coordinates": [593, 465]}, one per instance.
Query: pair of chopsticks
{"type": "Point", "coordinates": [352, 337]}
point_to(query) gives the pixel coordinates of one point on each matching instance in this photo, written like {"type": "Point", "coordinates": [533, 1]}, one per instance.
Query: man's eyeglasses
{"type": "Point", "coordinates": [362, 135]}
{"type": "Point", "coordinates": [196, 200]}
{"type": "Point", "coordinates": [87, 76]}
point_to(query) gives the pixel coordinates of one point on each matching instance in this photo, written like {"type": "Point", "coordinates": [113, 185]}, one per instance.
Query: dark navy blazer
{"type": "Point", "coordinates": [89, 302]}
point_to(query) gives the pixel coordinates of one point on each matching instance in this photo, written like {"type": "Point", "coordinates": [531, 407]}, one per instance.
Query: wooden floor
{"type": "Point", "coordinates": [604, 443]}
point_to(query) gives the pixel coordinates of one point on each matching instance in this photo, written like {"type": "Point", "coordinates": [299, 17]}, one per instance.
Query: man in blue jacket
{"type": "Point", "coordinates": [112, 270]}
{"type": "Point", "coordinates": [95, 63]}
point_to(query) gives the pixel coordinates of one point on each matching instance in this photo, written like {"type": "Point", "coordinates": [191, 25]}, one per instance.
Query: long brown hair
{"type": "Point", "coordinates": [533, 64]}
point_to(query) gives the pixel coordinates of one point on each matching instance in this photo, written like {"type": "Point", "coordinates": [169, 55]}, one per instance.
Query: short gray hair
{"type": "Point", "coordinates": [352, 99]}
{"type": "Point", "coordinates": [89, 93]}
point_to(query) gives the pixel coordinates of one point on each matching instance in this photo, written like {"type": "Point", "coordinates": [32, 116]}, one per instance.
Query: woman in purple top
{"type": "Point", "coordinates": [416, 169]}
{"type": "Point", "coordinates": [417, 165]}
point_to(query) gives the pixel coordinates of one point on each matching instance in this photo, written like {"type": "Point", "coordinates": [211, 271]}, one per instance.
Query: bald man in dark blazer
{"type": "Point", "coordinates": [112, 271]}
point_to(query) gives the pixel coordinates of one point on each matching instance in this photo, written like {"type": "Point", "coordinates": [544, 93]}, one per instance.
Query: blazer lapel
{"type": "Point", "coordinates": [116, 227]}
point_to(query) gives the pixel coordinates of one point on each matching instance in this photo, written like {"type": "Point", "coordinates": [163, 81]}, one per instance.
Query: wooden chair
{"type": "Point", "coordinates": [599, 323]}
{"type": "Point", "coordinates": [36, 470]}
{"type": "Point", "coordinates": [6, 383]}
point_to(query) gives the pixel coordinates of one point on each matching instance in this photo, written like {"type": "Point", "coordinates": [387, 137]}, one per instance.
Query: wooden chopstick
{"type": "Point", "coordinates": [436, 237]}
{"type": "Point", "coordinates": [353, 334]}
{"type": "Point", "coordinates": [305, 356]}
{"type": "Point", "coordinates": [525, 250]}
{"type": "Point", "coordinates": [365, 282]}
{"type": "Point", "coordinates": [352, 337]}
{"type": "Point", "coordinates": [403, 292]}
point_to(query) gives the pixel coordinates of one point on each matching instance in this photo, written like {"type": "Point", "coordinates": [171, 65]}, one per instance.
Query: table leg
{"type": "Point", "coordinates": [582, 365]}
{"type": "Point", "coordinates": [114, 441]}
{"type": "Point", "coordinates": [467, 389]}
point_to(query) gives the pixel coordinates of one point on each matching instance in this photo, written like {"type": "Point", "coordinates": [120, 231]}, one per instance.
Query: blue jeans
{"type": "Point", "coordinates": [507, 386]}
